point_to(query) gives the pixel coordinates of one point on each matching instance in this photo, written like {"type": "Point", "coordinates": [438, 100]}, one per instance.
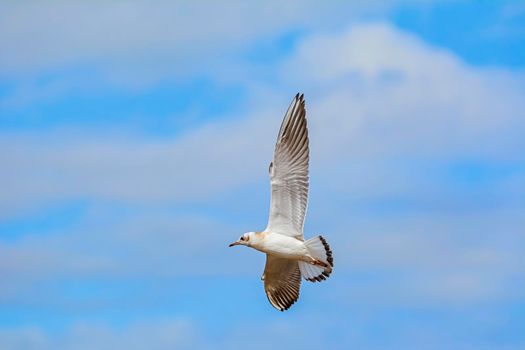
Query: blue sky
{"type": "Point", "coordinates": [135, 138]}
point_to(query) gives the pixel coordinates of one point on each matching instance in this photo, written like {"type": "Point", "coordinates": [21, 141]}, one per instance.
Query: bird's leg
{"type": "Point", "coordinates": [318, 262]}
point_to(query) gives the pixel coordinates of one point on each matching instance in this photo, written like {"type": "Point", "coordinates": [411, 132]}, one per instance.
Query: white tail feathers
{"type": "Point", "coordinates": [321, 268]}
{"type": "Point", "coordinates": [312, 273]}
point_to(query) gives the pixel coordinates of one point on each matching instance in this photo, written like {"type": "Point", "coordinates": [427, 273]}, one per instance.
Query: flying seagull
{"type": "Point", "coordinates": [288, 256]}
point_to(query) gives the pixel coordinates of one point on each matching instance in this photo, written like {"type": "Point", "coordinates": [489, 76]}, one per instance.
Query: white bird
{"type": "Point", "coordinates": [288, 255]}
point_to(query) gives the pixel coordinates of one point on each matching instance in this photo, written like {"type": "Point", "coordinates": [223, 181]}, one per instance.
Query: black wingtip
{"type": "Point", "coordinates": [299, 96]}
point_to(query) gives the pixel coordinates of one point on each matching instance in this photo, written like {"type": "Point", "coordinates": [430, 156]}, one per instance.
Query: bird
{"type": "Point", "coordinates": [288, 256]}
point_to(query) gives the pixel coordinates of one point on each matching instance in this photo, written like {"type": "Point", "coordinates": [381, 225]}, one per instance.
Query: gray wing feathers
{"type": "Point", "coordinates": [282, 282]}
{"type": "Point", "coordinates": [289, 173]}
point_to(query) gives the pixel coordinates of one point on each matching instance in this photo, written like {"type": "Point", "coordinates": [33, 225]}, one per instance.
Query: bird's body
{"type": "Point", "coordinates": [279, 245]}
{"type": "Point", "coordinates": [288, 256]}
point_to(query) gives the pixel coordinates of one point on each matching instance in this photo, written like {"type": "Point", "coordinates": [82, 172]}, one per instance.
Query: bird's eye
{"type": "Point", "coordinates": [242, 238]}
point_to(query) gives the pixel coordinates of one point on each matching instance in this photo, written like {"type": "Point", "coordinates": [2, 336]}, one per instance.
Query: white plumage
{"type": "Point", "coordinates": [288, 256]}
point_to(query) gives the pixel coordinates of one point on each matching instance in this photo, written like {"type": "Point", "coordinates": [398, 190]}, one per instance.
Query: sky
{"type": "Point", "coordinates": [135, 138]}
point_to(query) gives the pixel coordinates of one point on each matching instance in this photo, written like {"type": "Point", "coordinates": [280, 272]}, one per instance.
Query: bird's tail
{"type": "Point", "coordinates": [322, 267]}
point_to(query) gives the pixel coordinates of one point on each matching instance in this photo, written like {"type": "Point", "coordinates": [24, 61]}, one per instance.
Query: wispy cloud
{"type": "Point", "coordinates": [386, 95]}
{"type": "Point", "coordinates": [163, 334]}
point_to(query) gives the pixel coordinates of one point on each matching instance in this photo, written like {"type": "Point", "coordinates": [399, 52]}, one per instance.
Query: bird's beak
{"type": "Point", "coordinates": [234, 243]}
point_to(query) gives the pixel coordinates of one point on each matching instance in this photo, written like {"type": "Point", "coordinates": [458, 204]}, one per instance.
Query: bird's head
{"type": "Point", "coordinates": [246, 239]}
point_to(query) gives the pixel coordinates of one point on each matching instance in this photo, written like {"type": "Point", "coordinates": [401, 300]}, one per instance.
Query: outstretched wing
{"type": "Point", "coordinates": [282, 281]}
{"type": "Point", "coordinates": [289, 173]}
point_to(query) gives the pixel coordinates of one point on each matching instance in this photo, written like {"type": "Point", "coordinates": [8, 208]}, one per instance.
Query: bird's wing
{"type": "Point", "coordinates": [289, 173]}
{"type": "Point", "coordinates": [282, 281]}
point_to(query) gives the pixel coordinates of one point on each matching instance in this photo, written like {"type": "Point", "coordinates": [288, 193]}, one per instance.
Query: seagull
{"type": "Point", "coordinates": [288, 256]}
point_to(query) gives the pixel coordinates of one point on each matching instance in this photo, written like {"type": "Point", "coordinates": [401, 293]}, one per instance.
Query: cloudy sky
{"type": "Point", "coordinates": [135, 138]}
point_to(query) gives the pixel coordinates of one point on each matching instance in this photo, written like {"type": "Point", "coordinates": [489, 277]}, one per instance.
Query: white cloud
{"type": "Point", "coordinates": [376, 93]}
{"type": "Point", "coordinates": [142, 244]}
{"type": "Point", "coordinates": [292, 332]}
{"type": "Point", "coordinates": [211, 160]}
{"type": "Point", "coordinates": [437, 258]}
{"type": "Point", "coordinates": [158, 35]}
{"type": "Point", "coordinates": [159, 334]}
{"type": "Point", "coordinates": [379, 91]}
